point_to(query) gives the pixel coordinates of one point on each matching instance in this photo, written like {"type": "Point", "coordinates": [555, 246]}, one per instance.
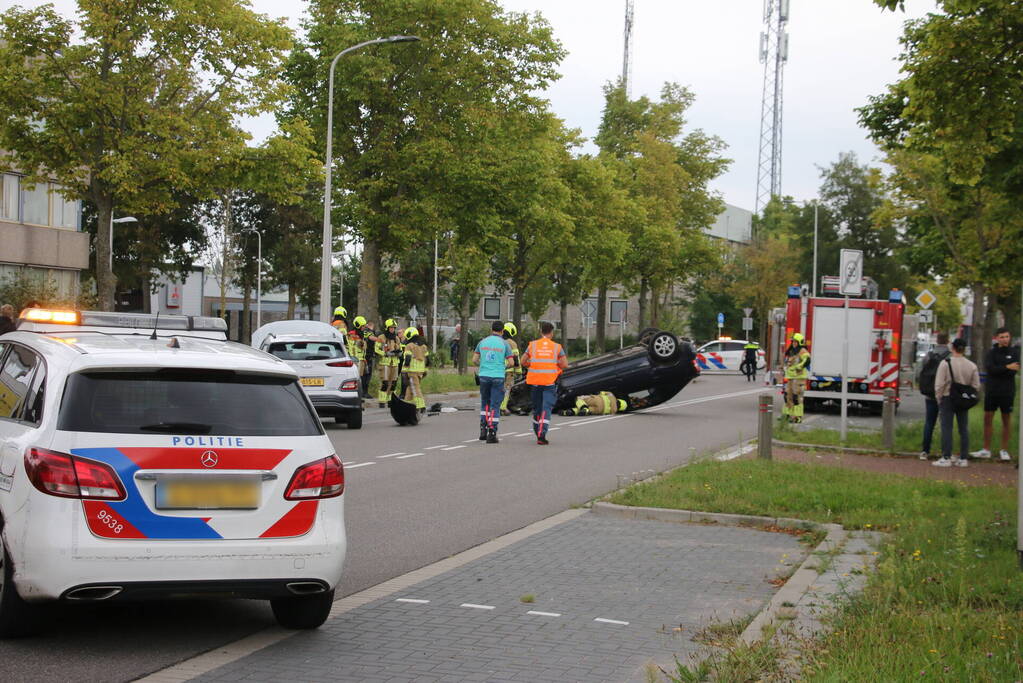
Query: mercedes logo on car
{"type": "Point", "coordinates": [208, 459]}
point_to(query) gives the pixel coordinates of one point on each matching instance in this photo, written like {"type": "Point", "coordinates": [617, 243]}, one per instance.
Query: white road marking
{"type": "Point", "coordinates": [410, 455]}
{"type": "Point", "coordinates": [612, 621]}
{"type": "Point", "coordinates": [512, 434]}
{"type": "Point", "coordinates": [361, 464]}
{"type": "Point", "coordinates": [553, 429]}
{"type": "Point", "coordinates": [390, 455]}
{"type": "Point", "coordinates": [347, 464]}
{"type": "Point", "coordinates": [470, 440]}
{"type": "Point", "coordinates": [432, 448]}
{"type": "Point", "coordinates": [472, 606]}
{"type": "Point", "coordinates": [544, 614]}
{"type": "Point", "coordinates": [517, 436]}
{"type": "Point", "coordinates": [413, 601]}
{"type": "Point", "coordinates": [452, 448]}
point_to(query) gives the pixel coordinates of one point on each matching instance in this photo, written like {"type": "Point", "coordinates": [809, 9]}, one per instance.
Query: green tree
{"type": "Point", "coordinates": [404, 113]}
{"type": "Point", "coordinates": [133, 102]}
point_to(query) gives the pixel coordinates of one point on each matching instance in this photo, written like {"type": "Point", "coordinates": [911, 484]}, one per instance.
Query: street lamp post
{"type": "Point", "coordinates": [259, 276]}
{"type": "Point", "coordinates": [327, 235]}
{"type": "Point", "coordinates": [436, 270]}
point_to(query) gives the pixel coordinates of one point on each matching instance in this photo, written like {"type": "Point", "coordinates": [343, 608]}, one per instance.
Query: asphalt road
{"type": "Point", "coordinates": [414, 495]}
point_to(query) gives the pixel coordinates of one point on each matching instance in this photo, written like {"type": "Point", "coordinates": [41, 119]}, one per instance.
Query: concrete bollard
{"type": "Point", "coordinates": [765, 427]}
{"type": "Point", "coordinates": [888, 420]}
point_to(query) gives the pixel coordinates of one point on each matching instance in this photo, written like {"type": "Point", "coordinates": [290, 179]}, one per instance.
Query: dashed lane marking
{"type": "Point", "coordinates": [410, 455]}
{"type": "Point", "coordinates": [470, 440]}
{"type": "Point", "coordinates": [452, 448]}
{"type": "Point", "coordinates": [359, 464]}
{"type": "Point", "coordinates": [544, 614]}
{"type": "Point", "coordinates": [414, 601]}
{"type": "Point", "coordinates": [346, 464]}
{"type": "Point", "coordinates": [472, 606]}
{"type": "Point", "coordinates": [433, 448]}
{"type": "Point", "coordinates": [390, 455]}
{"type": "Point", "coordinates": [611, 621]}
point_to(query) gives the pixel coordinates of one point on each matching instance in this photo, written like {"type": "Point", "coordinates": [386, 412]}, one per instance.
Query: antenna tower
{"type": "Point", "coordinates": [627, 56]}
{"type": "Point", "coordinates": [774, 53]}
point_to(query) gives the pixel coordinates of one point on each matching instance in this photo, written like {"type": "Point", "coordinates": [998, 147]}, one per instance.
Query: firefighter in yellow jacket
{"type": "Point", "coordinates": [388, 352]}
{"type": "Point", "coordinates": [604, 403]}
{"type": "Point", "coordinates": [797, 362]}
{"type": "Point", "coordinates": [340, 321]}
{"type": "Point", "coordinates": [415, 355]}
{"type": "Point", "coordinates": [514, 371]}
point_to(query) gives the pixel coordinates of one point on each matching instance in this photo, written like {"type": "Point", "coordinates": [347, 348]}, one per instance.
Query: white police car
{"type": "Point", "coordinates": [142, 463]}
{"type": "Point", "coordinates": [725, 355]}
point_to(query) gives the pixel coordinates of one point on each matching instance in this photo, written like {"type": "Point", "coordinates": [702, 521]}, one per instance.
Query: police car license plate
{"type": "Point", "coordinates": [241, 493]}
{"type": "Point", "coordinates": [311, 381]}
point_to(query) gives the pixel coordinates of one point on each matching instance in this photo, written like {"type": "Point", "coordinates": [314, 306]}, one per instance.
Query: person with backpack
{"type": "Point", "coordinates": [925, 382]}
{"type": "Point", "coordinates": [957, 388]}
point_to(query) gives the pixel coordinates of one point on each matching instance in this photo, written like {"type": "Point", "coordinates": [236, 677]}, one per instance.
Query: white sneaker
{"type": "Point", "coordinates": [960, 462]}
{"type": "Point", "coordinates": [924, 455]}
{"type": "Point", "coordinates": [1004, 456]}
{"type": "Point", "coordinates": [942, 462]}
{"type": "Point", "coordinates": [982, 453]}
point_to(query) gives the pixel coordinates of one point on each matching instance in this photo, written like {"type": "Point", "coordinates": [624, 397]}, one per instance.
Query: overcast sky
{"type": "Point", "coordinates": [840, 51]}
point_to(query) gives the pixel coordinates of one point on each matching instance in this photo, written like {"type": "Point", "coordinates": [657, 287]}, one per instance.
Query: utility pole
{"type": "Point", "coordinates": [627, 54]}
{"type": "Point", "coordinates": [774, 53]}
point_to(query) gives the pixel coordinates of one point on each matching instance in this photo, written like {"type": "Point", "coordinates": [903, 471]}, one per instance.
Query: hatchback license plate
{"type": "Point", "coordinates": [311, 381]}
{"type": "Point", "coordinates": [196, 494]}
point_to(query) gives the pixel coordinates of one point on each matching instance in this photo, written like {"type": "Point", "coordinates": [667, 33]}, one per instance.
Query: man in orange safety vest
{"type": "Point", "coordinates": [544, 361]}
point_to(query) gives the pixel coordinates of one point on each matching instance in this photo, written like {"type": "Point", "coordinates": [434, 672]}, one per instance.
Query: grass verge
{"type": "Point", "coordinates": [908, 435]}
{"type": "Point", "coordinates": [946, 602]}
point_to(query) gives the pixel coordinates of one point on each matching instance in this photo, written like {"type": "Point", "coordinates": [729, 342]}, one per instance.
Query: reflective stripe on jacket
{"type": "Point", "coordinates": [543, 362]}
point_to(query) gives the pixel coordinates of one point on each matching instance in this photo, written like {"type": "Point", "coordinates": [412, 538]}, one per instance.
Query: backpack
{"type": "Point", "coordinates": [928, 373]}
{"type": "Point", "coordinates": [963, 396]}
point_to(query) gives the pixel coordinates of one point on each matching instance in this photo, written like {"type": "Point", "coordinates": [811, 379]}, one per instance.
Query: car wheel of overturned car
{"type": "Point", "coordinates": [647, 334]}
{"type": "Point", "coordinates": [303, 611]}
{"type": "Point", "coordinates": [663, 347]}
{"type": "Point", "coordinates": [17, 617]}
{"type": "Point", "coordinates": [353, 419]}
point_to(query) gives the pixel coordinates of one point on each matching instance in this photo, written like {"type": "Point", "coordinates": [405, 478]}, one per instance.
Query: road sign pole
{"type": "Point", "coordinates": [845, 373]}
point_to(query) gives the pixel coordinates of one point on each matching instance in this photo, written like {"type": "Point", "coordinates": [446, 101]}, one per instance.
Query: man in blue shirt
{"type": "Point", "coordinates": [493, 355]}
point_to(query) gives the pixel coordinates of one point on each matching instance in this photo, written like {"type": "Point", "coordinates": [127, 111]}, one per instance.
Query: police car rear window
{"type": "Point", "coordinates": [186, 402]}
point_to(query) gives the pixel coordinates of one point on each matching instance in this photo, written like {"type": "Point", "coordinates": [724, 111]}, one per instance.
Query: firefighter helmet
{"type": "Point", "coordinates": [510, 328]}
{"type": "Point", "coordinates": [341, 311]}
{"type": "Point", "coordinates": [410, 332]}
{"type": "Point", "coordinates": [390, 323]}
{"type": "Point", "coordinates": [359, 321]}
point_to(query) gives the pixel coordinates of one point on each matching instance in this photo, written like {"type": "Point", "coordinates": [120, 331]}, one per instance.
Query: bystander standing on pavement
{"type": "Point", "coordinates": [493, 355]}
{"type": "Point", "coordinates": [955, 375]}
{"type": "Point", "coordinates": [925, 382]}
{"type": "Point", "coordinates": [453, 346]}
{"type": "Point", "coordinates": [1001, 366]}
{"type": "Point", "coordinates": [544, 361]}
{"type": "Point", "coordinates": [7, 323]}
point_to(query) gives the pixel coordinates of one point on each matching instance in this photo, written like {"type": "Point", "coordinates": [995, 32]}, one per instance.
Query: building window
{"type": "Point", "coordinates": [491, 308]}
{"type": "Point", "coordinates": [9, 198]}
{"type": "Point", "coordinates": [619, 311]}
{"type": "Point", "coordinates": [36, 204]}
{"type": "Point", "coordinates": [63, 213]}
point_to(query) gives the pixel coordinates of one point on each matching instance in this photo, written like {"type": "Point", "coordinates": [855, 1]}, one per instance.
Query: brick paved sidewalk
{"type": "Point", "coordinates": [609, 595]}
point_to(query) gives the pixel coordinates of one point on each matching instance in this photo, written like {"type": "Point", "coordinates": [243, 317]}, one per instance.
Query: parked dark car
{"type": "Point", "coordinates": [647, 373]}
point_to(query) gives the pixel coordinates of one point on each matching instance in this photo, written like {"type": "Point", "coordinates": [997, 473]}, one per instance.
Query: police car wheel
{"type": "Point", "coordinates": [353, 419]}
{"type": "Point", "coordinates": [663, 347]}
{"type": "Point", "coordinates": [17, 617]}
{"type": "Point", "coordinates": [303, 611]}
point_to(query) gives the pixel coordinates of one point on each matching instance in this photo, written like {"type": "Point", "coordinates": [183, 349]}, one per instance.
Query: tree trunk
{"type": "Point", "coordinates": [147, 291]}
{"type": "Point", "coordinates": [225, 261]}
{"type": "Point", "coordinates": [106, 283]}
{"type": "Point", "coordinates": [245, 328]}
{"type": "Point", "coordinates": [291, 301]}
{"type": "Point", "coordinates": [564, 323]}
{"type": "Point", "coordinates": [644, 288]}
{"type": "Point", "coordinates": [517, 306]}
{"type": "Point", "coordinates": [990, 319]}
{"type": "Point", "coordinates": [369, 280]}
{"type": "Point", "coordinates": [601, 317]}
{"type": "Point", "coordinates": [977, 345]}
{"type": "Point", "coordinates": [463, 335]}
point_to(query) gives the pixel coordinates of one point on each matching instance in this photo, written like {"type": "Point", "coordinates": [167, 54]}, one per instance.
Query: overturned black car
{"type": "Point", "coordinates": [645, 374]}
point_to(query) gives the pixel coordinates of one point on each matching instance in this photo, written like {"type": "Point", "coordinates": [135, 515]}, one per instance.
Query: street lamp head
{"type": "Point", "coordinates": [402, 39]}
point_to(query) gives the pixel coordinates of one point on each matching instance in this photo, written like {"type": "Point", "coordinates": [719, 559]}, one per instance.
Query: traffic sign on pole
{"type": "Point", "coordinates": [748, 311]}
{"type": "Point", "coordinates": [926, 299]}
{"type": "Point", "coordinates": [851, 273]}
{"type": "Point", "coordinates": [721, 319]}
{"type": "Point", "coordinates": [747, 324]}
{"type": "Point", "coordinates": [926, 316]}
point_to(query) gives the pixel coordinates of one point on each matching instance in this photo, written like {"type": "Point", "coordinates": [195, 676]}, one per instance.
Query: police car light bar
{"type": "Point", "coordinates": [142, 321]}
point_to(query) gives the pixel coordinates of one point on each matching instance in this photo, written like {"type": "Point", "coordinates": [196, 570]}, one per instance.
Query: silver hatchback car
{"type": "Point", "coordinates": [319, 355]}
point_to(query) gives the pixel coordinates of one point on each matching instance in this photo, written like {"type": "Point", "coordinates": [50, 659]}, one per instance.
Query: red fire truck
{"type": "Point", "coordinates": [875, 349]}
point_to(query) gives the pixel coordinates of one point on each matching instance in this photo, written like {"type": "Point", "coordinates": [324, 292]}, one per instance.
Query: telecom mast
{"type": "Point", "coordinates": [774, 53]}
{"type": "Point", "coordinates": [627, 56]}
